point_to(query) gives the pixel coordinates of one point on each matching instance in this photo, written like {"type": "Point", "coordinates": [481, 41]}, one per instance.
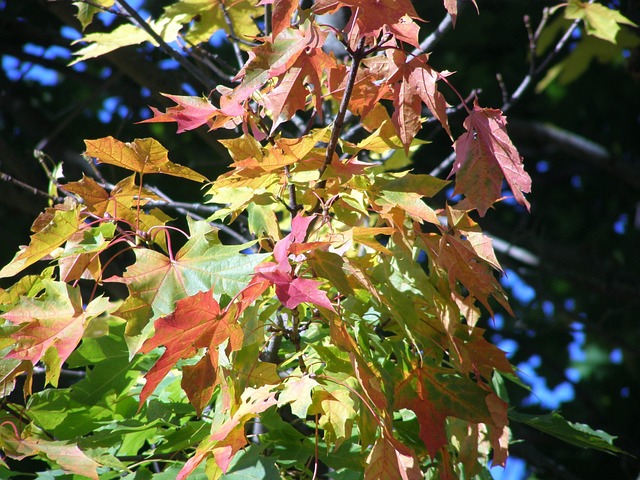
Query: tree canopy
{"type": "Point", "coordinates": [293, 239]}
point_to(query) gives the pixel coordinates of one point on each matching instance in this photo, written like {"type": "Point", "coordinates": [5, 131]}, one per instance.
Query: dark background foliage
{"type": "Point", "coordinates": [577, 293]}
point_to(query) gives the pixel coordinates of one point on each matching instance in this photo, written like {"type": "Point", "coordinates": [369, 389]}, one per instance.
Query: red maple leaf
{"type": "Point", "coordinates": [197, 322]}
{"type": "Point", "coordinates": [367, 20]}
{"type": "Point", "coordinates": [414, 83]}
{"type": "Point", "coordinates": [483, 155]}
{"type": "Point", "coordinates": [290, 94]}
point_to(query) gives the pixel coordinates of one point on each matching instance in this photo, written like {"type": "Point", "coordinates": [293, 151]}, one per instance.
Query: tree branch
{"type": "Point", "coordinates": [435, 36]}
{"type": "Point", "coordinates": [188, 66]}
{"type": "Point", "coordinates": [357, 57]}
{"type": "Point", "coordinates": [536, 71]}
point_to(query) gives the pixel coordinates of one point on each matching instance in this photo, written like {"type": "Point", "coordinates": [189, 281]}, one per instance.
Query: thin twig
{"type": "Point", "coordinates": [5, 177]}
{"type": "Point", "coordinates": [190, 208]}
{"type": "Point", "coordinates": [526, 81]}
{"type": "Point", "coordinates": [446, 163]}
{"type": "Point", "coordinates": [232, 35]}
{"type": "Point", "coordinates": [188, 66]}
{"type": "Point", "coordinates": [205, 58]}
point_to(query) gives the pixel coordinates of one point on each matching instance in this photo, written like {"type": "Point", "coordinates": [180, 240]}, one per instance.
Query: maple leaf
{"type": "Point", "coordinates": [414, 83]}
{"type": "Point", "coordinates": [274, 57]}
{"type": "Point", "coordinates": [455, 254]}
{"type": "Point", "coordinates": [297, 392]}
{"type": "Point", "coordinates": [189, 112]}
{"type": "Point", "coordinates": [202, 18]}
{"type": "Point", "coordinates": [391, 459]}
{"type": "Point", "coordinates": [367, 20]}
{"type": "Point", "coordinates": [478, 355]}
{"type": "Point", "coordinates": [201, 264]}
{"type": "Point", "coordinates": [199, 382]}
{"type": "Point", "coordinates": [69, 457]}
{"type": "Point", "coordinates": [371, 86]}
{"type": "Point", "coordinates": [292, 290]}
{"type": "Point", "coordinates": [290, 94]}
{"type": "Point", "coordinates": [52, 325]}
{"type": "Point", "coordinates": [600, 21]}
{"type": "Point", "coordinates": [229, 438]}
{"type": "Point", "coordinates": [197, 322]}
{"type": "Point", "coordinates": [52, 228]}
{"type": "Point", "coordinates": [434, 394]}
{"type": "Point", "coordinates": [483, 155]}
{"type": "Point", "coordinates": [143, 155]}
{"type": "Point", "coordinates": [337, 409]}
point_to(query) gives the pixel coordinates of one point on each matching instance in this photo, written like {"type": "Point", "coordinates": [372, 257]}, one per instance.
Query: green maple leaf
{"type": "Point", "coordinates": [599, 20]}
{"type": "Point", "coordinates": [53, 227]}
{"type": "Point", "coordinates": [203, 263]}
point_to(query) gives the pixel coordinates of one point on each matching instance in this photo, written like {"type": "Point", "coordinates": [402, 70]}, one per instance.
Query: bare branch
{"type": "Point", "coordinates": [428, 43]}
{"type": "Point", "coordinates": [5, 177]}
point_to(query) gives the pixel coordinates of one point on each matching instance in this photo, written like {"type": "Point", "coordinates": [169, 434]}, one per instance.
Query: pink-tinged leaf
{"type": "Point", "coordinates": [414, 83]}
{"type": "Point", "coordinates": [406, 113]}
{"type": "Point", "coordinates": [368, 20]}
{"type": "Point", "coordinates": [227, 448]}
{"type": "Point", "coordinates": [302, 290]}
{"type": "Point", "coordinates": [452, 9]}
{"type": "Point", "coordinates": [299, 226]}
{"type": "Point", "coordinates": [189, 112]}
{"type": "Point", "coordinates": [390, 459]}
{"type": "Point", "coordinates": [424, 79]}
{"type": "Point", "coordinates": [52, 325]}
{"type": "Point", "coordinates": [483, 155]}
{"type": "Point", "coordinates": [225, 442]}
{"type": "Point", "coordinates": [69, 457]}
{"type": "Point", "coordinates": [275, 57]}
